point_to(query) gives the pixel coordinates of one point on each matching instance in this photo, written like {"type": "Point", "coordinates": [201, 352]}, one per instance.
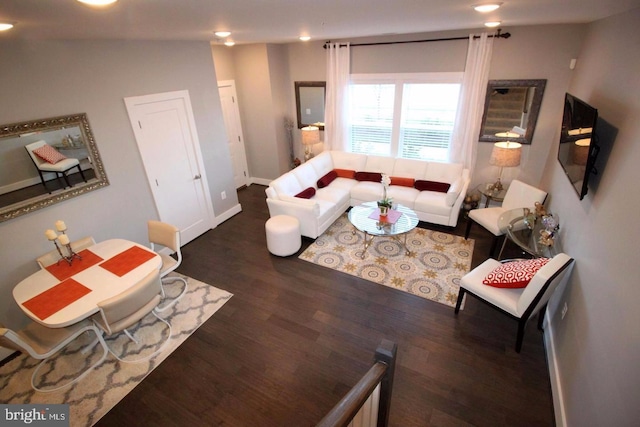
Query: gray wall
{"type": "Point", "coordinates": [45, 79]}
{"type": "Point", "coordinates": [598, 342]}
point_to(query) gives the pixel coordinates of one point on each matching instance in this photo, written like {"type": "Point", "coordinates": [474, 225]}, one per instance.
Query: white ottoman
{"type": "Point", "coordinates": [283, 235]}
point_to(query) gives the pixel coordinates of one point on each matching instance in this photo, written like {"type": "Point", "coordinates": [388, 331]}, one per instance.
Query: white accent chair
{"type": "Point", "coordinates": [53, 256]}
{"type": "Point", "coordinates": [167, 235]}
{"type": "Point", "coordinates": [521, 303]}
{"type": "Point", "coordinates": [61, 169]}
{"type": "Point", "coordinates": [41, 343]}
{"type": "Point", "coordinates": [519, 195]}
{"type": "Point", "coordinates": [283, 235]}
{"type": "Point", "coordinates": [124, 310]}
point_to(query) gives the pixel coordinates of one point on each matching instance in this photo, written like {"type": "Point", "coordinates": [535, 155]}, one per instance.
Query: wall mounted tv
{"type": "Point", "coordinates": [578, 143]}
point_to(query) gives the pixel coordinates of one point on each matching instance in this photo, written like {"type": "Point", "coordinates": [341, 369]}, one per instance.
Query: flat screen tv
{"type": "Point", "coordinates": [578, 143]}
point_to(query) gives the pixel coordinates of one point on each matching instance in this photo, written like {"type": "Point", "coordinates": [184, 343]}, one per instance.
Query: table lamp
{"type": "Point", "coordinates": [310, 136]}
{"type": "Point", "coordinates": [505, 154]}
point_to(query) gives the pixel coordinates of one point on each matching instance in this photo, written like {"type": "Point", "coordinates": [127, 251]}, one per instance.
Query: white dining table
{"type": "Point", "coordinates": [96, 282]}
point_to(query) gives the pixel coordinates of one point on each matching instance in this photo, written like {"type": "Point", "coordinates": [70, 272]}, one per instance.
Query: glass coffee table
{"type": "Point", "coordinates": [527, 237]}
{"type": "Point", "coordinates": [365, 218]}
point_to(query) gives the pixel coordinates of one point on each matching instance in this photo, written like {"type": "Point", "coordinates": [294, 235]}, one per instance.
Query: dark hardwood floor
{"type": "Point", "coordinates": [296, 337]}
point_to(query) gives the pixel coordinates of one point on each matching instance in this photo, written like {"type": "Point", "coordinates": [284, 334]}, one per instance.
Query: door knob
{"type": "Point", "coordinates": [197, 176]}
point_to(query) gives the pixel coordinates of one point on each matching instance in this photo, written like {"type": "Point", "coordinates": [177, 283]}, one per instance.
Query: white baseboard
{"type": "Point", "coordinates": [228, 214]}
{"type": "Point", "coordinates": [554, 375]}
{"type": "Point", "coordinates": [261, 181]}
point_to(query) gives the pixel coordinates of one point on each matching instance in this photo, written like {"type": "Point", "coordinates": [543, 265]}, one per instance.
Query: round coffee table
{"type": "Point", "coordinates": [366, 218]}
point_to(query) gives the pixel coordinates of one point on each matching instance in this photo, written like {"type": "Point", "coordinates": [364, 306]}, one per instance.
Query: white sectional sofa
{"type": "Point", "coordinates": [323, 188]}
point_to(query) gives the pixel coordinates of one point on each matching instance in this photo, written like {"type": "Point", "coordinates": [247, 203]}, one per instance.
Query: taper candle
{"type": "Point", "coordinates": [63, 239]}
{"type": "Point", "coordinates": [51, 235]}
{"type": "Point", "coordinates": [60, 225]}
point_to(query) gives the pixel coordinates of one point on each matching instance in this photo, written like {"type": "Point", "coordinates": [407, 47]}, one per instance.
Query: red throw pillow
{"type": "Point", "coordinates": [345, 173]}
{"type": "Point", "coordinates": [327, 179]}
{"type": "Point", "coordinates": [307, 193]}
{"type": "Point", "coordinates": [368, 176]}
{"type": "Point", "coordinates": [514, 274]}
{"type": "Point", "coordinates": [403, 182]}
{"type": "Point", "coordinates": [49, 154]}
{"type": "Point", "coordinates": [440, 187]}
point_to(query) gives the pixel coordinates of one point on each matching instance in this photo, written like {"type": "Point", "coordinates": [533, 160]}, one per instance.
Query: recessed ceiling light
{"type": "Point", "coordinates": [485, 8]}
{"type": "Point", "coordinates": [305, 38]}
{"type": "Point", "coordinates": [222, 34]}
{"type": "Point", "coordinates": [229, 43]}
{"type": "Point", "coordinates": [98, 2]}
{"type": "Point", "coordinates": [492, 24]}
{"type": "Point", "coordinates": [4, 26]}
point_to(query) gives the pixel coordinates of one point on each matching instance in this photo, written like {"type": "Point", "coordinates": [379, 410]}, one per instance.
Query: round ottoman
{"type": "Point", "coordinates": [283, 235]}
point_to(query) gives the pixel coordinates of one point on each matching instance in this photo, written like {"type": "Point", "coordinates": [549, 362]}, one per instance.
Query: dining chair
{"type": "Point", "coordinates": [167, 235]}
{"type": "Point", "coordinates": [518, 303]}
{"type": "Point", "coordinates": [42, 343]}
{"type": "Point", "coordinates": [61, 168]}
{"type": "Point", "coordinates": [518, 195]}
{"type": "Point", "coordinates": [53, 256]}
{"type": "Point", "coordinates": [120, 312]}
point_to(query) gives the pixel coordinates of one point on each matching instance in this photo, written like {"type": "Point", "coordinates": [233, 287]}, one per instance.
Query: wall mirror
{"type": "Point", "coordinates": [25, 187]}
{"type": "Point", "coordinates": [511, 105]}
{"type": "Point", "coordinates": [310, 98]}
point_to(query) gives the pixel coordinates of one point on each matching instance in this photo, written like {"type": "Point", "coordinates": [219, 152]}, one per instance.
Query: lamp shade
{"type": "Point", "coordinates": [581, 151]}
{"type": "Point", "coordinates": [506, 154]}
{"type": "Point", "coordinates": [310, 135]}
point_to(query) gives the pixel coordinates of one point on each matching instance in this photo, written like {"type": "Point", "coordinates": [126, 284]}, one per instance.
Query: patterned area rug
{"type": "Point", "coordinates": [104, 386]}
{"type": "Point", "coordinates": [432, 270]}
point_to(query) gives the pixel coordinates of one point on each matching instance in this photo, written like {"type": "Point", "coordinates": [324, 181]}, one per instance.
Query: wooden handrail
{"type": "Point", "coordinates": [380, 373]}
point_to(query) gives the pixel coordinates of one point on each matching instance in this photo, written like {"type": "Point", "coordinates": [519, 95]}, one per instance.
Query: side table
{"type": "Point", "coordinates": [490, 194]}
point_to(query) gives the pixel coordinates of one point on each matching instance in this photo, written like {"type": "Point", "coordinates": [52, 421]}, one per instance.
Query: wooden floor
{"type": "Point", "coordinates": [295, 337]}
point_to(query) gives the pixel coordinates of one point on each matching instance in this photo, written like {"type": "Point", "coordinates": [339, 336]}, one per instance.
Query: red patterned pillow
{"type": "Point", "coordinates": [327, 179]}
{"type": "Point", "coordinates": [403, 182]}
{"type": "Point", "coordinates": [307, 193]}
{"type": "Point", "coordinates": [369, 176]}
{"type": "Point", "coordinates": [440, 187]}
{"type": "Point", "coordinates": [345, 173]}
{"type": "Point", "coordinates": [49, 154]}
{"type": "Point", "coordinates": [514, 274]}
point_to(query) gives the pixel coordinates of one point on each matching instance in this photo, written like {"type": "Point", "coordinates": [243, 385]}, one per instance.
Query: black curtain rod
{"type": "Point", "coordinates": [498, 34]}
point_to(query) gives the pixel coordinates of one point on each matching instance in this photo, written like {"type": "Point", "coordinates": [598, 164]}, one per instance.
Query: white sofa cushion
{"type": "Point", "coordinates": [367, 191]}
{"type": "Point", "coordinates": [287, 185]}
{"type": "Point", "coordinates": [322, 163]}
{"type": "Point", "coordinates": [443, 172]}
{"type": "Point", "coordinates": [351, 161]}
{"type": "Point", "coordinates": [432, 202]}
{"type": "Point", "coordinates": [409, 168]}
{"type": "Point", "coordinates": [307, 175]}
{"type": "Point", "coordinates": [379, 164]}
{"type": "Point", "coordinates": [405, 196]}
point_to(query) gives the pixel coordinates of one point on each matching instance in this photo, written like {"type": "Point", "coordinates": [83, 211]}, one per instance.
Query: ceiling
{"type": "Point", "coordinates": [282, 21]}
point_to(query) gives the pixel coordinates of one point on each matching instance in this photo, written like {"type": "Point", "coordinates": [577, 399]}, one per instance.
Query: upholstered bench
{"type": "Point", "coordinates": [283, 235]}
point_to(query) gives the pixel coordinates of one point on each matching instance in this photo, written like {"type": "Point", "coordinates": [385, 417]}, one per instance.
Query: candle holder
{"type": "Point", "coordinates": [52, 236]}
{"type": "Point", "coordinates": [68, 258]}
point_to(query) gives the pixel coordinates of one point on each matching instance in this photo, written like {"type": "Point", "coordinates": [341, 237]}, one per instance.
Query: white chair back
{"type": "Point", "coordinates": [34, 146]}
{"type": "Point", "coordinates": [127, 308]}
{"type": "Point", "coordinates": [521, 195]}
{"type": "Point", "coordinates": [550, 275]}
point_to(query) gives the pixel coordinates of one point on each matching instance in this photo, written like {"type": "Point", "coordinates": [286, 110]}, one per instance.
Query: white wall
{"type": "Point", "coordinates": [597, 344]}
{"type": "Point", "coordinates": [45, 79]}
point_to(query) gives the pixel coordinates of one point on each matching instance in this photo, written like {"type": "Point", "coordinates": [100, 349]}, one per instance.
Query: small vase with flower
{"type": "Point", "coordinates": [386, 202]}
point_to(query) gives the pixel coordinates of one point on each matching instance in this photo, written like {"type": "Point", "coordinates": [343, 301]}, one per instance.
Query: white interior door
{"type": "Point", "coordinates": [166, 135]}
{"type": "Point", "coordinates": [232, 123]}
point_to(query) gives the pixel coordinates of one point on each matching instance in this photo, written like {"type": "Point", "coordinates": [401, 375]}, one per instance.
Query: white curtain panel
{"type": "Point", "coordinates": [463, 148]}
{"type": "Point", "coordinates": [336, 129]}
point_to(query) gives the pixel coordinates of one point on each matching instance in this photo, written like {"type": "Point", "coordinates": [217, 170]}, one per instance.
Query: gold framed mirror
{"type": "Point", "coordinates": [511, 106]}
{"type": "Point", "coordinates": [26, 187]}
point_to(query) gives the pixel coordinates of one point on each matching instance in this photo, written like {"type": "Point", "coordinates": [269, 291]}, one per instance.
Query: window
{"type": "Point", "coordinates": [410, 116]}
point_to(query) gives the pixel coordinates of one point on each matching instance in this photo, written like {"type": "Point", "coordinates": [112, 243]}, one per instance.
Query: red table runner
{"type": "Point", "coordinates": [391, 218]}
{"type": "Point", "coordinates": [55, 299]}
{"type": "Point", "coordinates": [127, 260]}
{"type": "Point", "coordinates": [63, 270]}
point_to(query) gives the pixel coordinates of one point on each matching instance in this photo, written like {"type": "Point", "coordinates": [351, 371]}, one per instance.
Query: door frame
{"type": "Point", "coordinates": [132, 102]}
{"type": "Point", "coordinates": [232, 85]}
